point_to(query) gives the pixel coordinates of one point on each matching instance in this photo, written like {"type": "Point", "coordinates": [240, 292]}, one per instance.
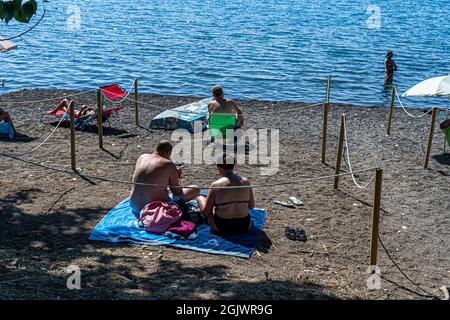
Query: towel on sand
{"type": "Point", "coordinates": [121, 225]}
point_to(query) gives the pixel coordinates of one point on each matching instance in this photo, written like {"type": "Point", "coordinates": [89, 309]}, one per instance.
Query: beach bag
{"type": "Point", "coordinates": [184, 228]}
{"type": "Point", "coordinates": [158, 216]}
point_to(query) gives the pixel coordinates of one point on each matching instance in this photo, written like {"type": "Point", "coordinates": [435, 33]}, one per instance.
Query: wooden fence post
{"type": "Point", "coordinates": [324, 131]}
{"type": "Point", "coordinates": [72, 134]}
{"type": "Point", "coordinates": [376, 217]}
{"type": "Point", "coordinates": [430, 138]}
{"type": "Point", "coordinates": [100, 118]}
{"type": "Point", "coordinates": [391, 111]}
{"type": "Point", "coordinates": [327, 99]}
{"type": "Point", "coordinates": [136, 106]}
{"type": "Point", "coordinates": [339, 153]}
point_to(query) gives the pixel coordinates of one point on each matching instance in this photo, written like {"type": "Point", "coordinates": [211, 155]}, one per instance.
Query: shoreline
{"type": "Point", "coordinates": [68, 92]}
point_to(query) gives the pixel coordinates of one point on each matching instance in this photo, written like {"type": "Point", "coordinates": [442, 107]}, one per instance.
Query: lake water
{"type": "Point", "coordinates": [274, 50]}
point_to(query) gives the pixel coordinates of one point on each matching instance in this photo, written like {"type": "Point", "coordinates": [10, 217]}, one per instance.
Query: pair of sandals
{"type": "Point", "coordinates": [297, 234]}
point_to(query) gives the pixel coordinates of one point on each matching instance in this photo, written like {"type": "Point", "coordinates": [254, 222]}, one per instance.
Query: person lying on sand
{"type": "Point", "coordinates": [221, 105]}
{"type": "Point", "coordinates": [5, 117]}
{"type": "Point", "coordinates": [227, 209]}
{"type": "Point", "coordinates": [84, 112]}
{"type": "Point", "coordinates": [157, 168]}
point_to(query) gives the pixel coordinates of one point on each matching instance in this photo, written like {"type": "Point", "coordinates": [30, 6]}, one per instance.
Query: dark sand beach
{"type": "Point", "coordinates": [47, 216]}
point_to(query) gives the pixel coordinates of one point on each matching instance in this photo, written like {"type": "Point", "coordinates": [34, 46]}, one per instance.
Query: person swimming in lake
{"type": "Point", "coordinates": [389, 67]}
{"type": "Point", "coordinates": [227, 209]}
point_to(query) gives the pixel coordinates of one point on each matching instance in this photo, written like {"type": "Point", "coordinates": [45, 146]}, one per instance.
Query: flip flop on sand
{"type": "Point", "coordinates": [284, 204]}
{"type": "Point", "coordinates": [300, 234]}
{"type": "Point", "coordinates": [290, 233]}
{"type": "Point", "coordinates": [296, 201]}
{"type": "Point", "coordinates": [295, 234]}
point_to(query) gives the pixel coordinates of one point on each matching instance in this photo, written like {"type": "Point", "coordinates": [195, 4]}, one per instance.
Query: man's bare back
{"type": "Point", "coordinates": [151, 169]}
{"type": "Point", "coordinates": [221, 105]}
{"type": "Point", "coordinates": [158, 169]}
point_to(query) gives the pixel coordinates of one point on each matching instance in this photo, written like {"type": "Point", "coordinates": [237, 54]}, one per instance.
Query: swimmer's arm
{"type": "Point", "coordinates": [174, 180]}
{"type": "Point", "coordinates": [251, 201]}
{"type": "Point", "coordinates": [208, 211]}
{"type": "Point", "coordinates": [240, 115]}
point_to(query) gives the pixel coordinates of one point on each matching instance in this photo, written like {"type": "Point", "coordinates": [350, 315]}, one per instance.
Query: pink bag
{"type": "Point", "coordinates": [183, 228]}
{"type": "Point", "coordinates": [158, 216]}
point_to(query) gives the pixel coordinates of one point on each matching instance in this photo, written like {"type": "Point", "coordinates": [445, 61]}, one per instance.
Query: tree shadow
{"type": "Point", "coordinates": [37, 248]}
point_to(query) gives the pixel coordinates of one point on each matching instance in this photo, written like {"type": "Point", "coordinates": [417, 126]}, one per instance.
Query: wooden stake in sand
{"type": "Point", "coordinates": [326, 107]}
{"type": "Point", "coordinates": [324, 131]}
{"type": "Point", "coordinates": [136, 107]}
{"type": "Point", "coordinates": [340, 151]}
{"type": "Point", "coordinates": [391, 111]}
{"type": "Point", "coordinates": [430, 139]}
{"type": "Point", "coordinates": [327, 99]}
{"type": "Point", "coordinates": [100, 118]}
{"type": "Point", "coordinates": [376, 217]}
{"type": "Point", "coordinates": [72, 134]}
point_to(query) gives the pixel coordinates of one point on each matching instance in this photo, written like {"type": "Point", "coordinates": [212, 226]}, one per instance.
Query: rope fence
{"type": "Point", "coordinates": [151, 185]}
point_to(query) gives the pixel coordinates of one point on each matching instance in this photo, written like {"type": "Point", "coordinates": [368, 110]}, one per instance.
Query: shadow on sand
{"type": "Point", "coordinates": [37, 248]}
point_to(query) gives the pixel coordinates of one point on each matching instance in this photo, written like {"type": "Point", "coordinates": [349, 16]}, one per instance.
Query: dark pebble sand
{"type": "Point", "coordinates": [47, 216]}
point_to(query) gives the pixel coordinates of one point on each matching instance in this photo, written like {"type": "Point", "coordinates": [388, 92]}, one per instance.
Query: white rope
{"type": "Point", "coordinates": [347, 154]}
{"type": "Point", "coordinates": [123, 99]}
{"type": "Point", "coordinates": [51, 99]}
{"type": "Point", "coordinates": [296, 182]}
{"type": "Point", "coordinates": [404, 109]}
{"type": "Point", "coordinates": [259, 112]}
{"type": "Point", "coordinates": [45, 140]}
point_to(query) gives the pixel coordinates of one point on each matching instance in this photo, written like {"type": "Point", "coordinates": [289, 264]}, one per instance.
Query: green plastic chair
{"type": "Point", "coordinates": [447, 134]}
{"type": "Point", "coordinates": [221, 122]}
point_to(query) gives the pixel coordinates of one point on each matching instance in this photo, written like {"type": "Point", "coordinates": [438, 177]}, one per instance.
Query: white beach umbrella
{"type": "Point", "coordinates": [6, 45]}
{"type": "Point", "coordinates": [433, 87]}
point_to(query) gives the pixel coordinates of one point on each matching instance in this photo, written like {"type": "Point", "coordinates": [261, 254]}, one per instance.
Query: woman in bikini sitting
{"type": "Point", "coordinates": [84, 112]}
{"type": "Point", "coordinates": [227, 209]}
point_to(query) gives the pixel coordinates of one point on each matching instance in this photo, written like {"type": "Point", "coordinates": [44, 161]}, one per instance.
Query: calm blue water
{"type": "Point", "coordinates": [265, 49]}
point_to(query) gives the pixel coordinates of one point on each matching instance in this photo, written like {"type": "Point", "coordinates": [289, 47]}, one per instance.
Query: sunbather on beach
{"type": "Point", "coordinates": [221, 105]}
{"type": "Point", "coordinates": [5, 117]}
{"type": "Point", "coordinates": [84, 112]}
{"type": "Point", "coordinates": [157, 168]}
{"type": "Point", "coordinates": [389, 66]}
{"type": "Point", "coordinates": [227, 209]}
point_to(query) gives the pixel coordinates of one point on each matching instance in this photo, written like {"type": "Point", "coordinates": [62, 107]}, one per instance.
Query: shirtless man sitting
{"type": "Point", "coordinates": [157, 168]}
{"type": "Point", "coordinates": [221, 105]}
{"type": "Point", "coordinates": [227, 209]}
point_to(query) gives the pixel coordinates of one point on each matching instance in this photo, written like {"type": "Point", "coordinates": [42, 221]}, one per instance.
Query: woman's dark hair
{"type": "Point", "coordinates": [226, 163]}
{"type": "Point", "coordinates": [389, 53]}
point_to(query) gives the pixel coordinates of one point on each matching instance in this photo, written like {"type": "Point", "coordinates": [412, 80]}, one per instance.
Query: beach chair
{"type": "Point", "coordinates": [222, 123]}
{"type": "Point", "coordinates": [113, 93]}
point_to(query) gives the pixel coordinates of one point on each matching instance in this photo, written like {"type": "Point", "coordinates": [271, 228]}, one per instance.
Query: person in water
{"type": "Point", "coordinates": [157, 168]}
{"type": "Point", "coordinates": [389, 67]}
{"type": "Point", "coordinates": [227, 209]}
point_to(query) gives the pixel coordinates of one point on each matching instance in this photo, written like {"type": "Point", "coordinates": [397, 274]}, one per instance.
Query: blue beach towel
{"type": "Point", "coordinates": [6, 129]}
{"type": "Point", "coordinates": [121, 225]}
